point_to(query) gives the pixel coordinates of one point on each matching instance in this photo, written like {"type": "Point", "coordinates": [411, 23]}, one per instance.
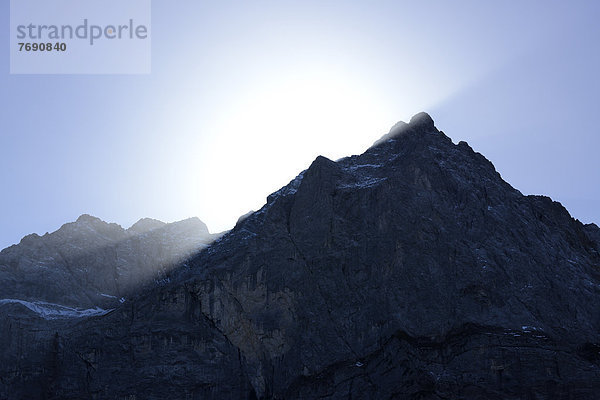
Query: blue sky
{"type": "Point", "coordinates": [243, 95]}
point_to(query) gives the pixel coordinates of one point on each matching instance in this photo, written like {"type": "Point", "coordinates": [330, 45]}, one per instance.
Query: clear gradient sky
{"type": "Point", "coordinates": [243, 95]}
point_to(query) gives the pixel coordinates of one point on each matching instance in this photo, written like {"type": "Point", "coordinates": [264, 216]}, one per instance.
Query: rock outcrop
{"type": "Point", "coordinates": [412, 271]}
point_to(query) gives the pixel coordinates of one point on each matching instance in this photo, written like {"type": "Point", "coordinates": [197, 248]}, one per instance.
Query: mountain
{"type": "Point", "coordinates": [412, 271]}
{"type": "Point", "coordinates": [90, 263]}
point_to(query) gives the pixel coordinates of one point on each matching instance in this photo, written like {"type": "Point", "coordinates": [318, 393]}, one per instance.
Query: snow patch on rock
{"type": "Point", "coordinates": [56, 311]}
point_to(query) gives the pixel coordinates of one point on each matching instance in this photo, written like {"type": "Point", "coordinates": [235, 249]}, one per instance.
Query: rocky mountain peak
{"type": "Point", "coordinates": [94, 223]}
{"type": "Point", "coordinates": [193, 223]}
{"type": "Point", "coordinates": [31, 238]}
{"type": "Point", "coordinates": [417, 240]}
{"type": "Point", "coordinates": [422, 121]}
{"type": "Point", "coordinates": [419, 123]}
{"type": "Point", "coordinates": [87, 218]}
{"type": "Point", "coordinates": [145, 225]}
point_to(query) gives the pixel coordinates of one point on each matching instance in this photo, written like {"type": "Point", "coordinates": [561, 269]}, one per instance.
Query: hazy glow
{"type": "Point", "coordinates": [267, 137]}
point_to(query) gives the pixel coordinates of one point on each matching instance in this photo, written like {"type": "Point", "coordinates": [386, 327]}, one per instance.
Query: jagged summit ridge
{"type": "Point", "coordinates": [420, 124]}
{"type": "Point", "coordinates": [89, 263]}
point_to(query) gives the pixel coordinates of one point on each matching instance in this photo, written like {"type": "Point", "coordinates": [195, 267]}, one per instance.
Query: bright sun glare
{"type": "Point", "coordinates": [268, 136]}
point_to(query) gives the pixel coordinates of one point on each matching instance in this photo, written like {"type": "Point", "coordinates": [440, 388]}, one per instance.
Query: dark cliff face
{"type": "Point", "coordinates": [410, 271]}
{"type": "Point", "coordinates": [90, 263]}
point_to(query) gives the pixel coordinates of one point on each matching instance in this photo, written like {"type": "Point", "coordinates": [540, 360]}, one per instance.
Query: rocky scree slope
{"type": "Point", "coordinates": [412, 271]}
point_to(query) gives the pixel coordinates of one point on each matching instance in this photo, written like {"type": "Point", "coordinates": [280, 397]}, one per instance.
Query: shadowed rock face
{"type": "Point", "coordinates": [412, 271]}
